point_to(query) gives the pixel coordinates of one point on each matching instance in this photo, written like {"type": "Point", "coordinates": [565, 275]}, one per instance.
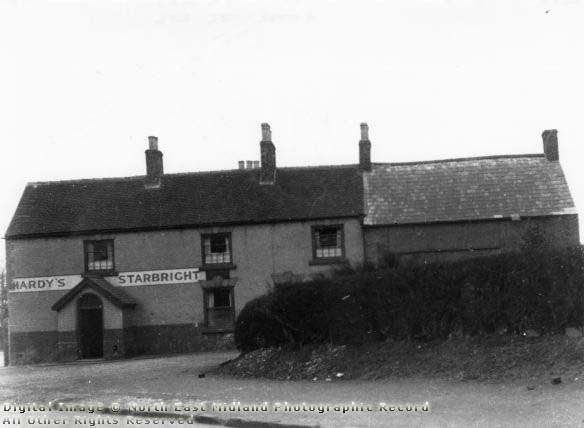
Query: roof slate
{"type": "Point", "coordinates": [465, 189]}
{"type": "Point", "coordinates": [404, 193]}
{"type": "Point", "coordinates": [185, 200]}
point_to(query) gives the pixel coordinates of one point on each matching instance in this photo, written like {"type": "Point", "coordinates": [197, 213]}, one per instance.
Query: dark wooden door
{"type": "Point", "coordinates": [90, 318]}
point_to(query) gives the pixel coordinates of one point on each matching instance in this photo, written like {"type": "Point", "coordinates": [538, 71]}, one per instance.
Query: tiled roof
{"type": "Point", "coordinates": [114, 294]}
{"type": "Point", "coordinates": [465, 189]}
{"type": "Point", "coordinates": [184, 200]}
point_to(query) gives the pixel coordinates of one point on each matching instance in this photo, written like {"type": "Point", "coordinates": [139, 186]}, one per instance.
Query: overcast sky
{"type": "Point", "coordinates": [83, 83]}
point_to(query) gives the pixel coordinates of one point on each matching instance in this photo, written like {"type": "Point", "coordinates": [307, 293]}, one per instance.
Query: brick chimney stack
{"type": "Point", "coordinates": [550, 145]}
{"type": "Point", "coordinates": [365, 149]}
{"type": "Point", "coordinates": [268, 156]}
{"type": "Point", "coordinates": [154, 167]}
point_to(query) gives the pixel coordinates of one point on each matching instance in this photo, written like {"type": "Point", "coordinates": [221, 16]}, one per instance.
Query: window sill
{"type": "Point", "coordinates": [216, 330]}
{"type": "Point", "coordinates": [100, 273]}
{"type": "Point", "coordinates": [218, 266]}
{"type": "Point", "coordinates": [329, 261]}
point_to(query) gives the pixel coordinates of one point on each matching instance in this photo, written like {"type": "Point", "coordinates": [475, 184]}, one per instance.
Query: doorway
{"type": "Point", "coordinates": [90, 326]}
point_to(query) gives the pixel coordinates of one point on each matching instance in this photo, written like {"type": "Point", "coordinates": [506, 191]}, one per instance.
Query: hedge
{"type": "Point", "coordinates": [539, 290]}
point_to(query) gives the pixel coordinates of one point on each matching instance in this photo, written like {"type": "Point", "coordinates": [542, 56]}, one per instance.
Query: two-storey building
{"type": "Point", "coordinates": [162, 263]}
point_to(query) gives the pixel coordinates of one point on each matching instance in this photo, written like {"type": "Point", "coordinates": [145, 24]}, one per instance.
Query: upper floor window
{"type": "Point", "coordinates": [217, 248]}
{"type": "Point", "coordinates": [328, 242]}
{"type": "Point", "coordinates": [99, 255]}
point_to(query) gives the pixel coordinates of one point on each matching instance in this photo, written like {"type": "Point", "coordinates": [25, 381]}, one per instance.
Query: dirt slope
{"type": "Point", "coordinates": [487, 358]}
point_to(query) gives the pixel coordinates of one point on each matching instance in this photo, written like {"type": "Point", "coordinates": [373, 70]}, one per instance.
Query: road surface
{"type": "Point", "coordinates": [168, 381]}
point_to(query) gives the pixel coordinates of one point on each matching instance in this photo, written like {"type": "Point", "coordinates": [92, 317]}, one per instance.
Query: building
{"type": "Point", "coordinates": [162, 263]}
{"type": "Point", "coordinates": [467, 207]}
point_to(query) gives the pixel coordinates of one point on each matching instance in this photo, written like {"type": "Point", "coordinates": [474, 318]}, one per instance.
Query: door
{"type": "Point", "coordinates": [90, 325]}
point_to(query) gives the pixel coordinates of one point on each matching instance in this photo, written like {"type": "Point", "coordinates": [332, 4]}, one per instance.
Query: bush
{"type": "Point", "coordinates": [255, 326]}
{"type": "Point", "coordinates": [537, 289]}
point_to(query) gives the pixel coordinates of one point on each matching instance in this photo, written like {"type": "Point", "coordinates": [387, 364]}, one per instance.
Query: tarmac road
{"type": "Point", "coordinates": [151, 384]}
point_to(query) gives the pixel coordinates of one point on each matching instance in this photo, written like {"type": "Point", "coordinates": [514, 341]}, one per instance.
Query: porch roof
{"type": "Point", "coordinates": [115, 295]}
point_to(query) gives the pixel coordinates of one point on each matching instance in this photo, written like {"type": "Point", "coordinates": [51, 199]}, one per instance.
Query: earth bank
{"type": "Point", "coordinates": [493, 358]}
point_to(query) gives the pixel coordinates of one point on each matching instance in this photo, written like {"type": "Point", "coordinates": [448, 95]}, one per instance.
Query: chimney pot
{"type": "Point", "coordinates": [365, 149]}
{"type": "Point", "coordinates": [268, 156]}
{"type": "Point", "coordinates": [241, 164]}
{"type": "Point", "coordinates": [256, 164]}
{"type": "Point", "coordinates": [550, 145]}
{"type": "Point", "coordinates": [153, 142]}
{"type": "Point", "coordinates": [249, 164]}
{"type": "Point", "coordinates": [266, 132]}
{"type": "Point", "coordinates": [364, 131]}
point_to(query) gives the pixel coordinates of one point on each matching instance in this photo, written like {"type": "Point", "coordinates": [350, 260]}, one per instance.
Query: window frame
{"type": "Point", "coordinates": [205, 263]}
{"type": "Point", "coordinates": [327, 260]}
{"type": "Point", "coordinates": [231, 308]}
{"type": "Point", "coordinates": [86, 244]}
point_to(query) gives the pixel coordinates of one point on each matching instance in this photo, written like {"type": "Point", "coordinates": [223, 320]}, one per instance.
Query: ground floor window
{"type": "Point", "coordinates": [219, 308]}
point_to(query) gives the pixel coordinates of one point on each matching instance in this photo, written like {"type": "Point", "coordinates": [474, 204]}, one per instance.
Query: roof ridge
{"type": "Point", "coordinates": [82, 180]}
{"type": "Point", "coordinates": [345, 165]}
{"type": "Point", "coordinates": [528, 155]}
{"type": "Point", "coordinates": [179, 174]}
{"type": "Point", "coordinates": [257, 169]}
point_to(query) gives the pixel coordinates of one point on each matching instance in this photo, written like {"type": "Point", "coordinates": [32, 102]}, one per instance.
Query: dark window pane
{"type": "Point", "coordinates": [328, 242]}
{"type": "Point", "coordinates": [216, 249]}
{"type": "Point", "coordinates": [327, 237]}
{"type": "Point", "coordinates": [218, 244]}
{"type": "Point", "coordinates": [100, 251]}
{"type": "Point", "coordinates": [100, 255]}
{"type": "Point", "coordinates": [221, 298]}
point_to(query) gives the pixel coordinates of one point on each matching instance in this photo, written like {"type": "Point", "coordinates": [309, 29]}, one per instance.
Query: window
{"type": "Point", "coordinates": [220, 313]}
{"type": "Point", "coordinates": [99, 256]}
{"type": "Point", "coordinates": [217, 249]}
{"type": "Point", "coordinates": [220, 298]}
{"type": "Point", "coordinates": [328, 242]}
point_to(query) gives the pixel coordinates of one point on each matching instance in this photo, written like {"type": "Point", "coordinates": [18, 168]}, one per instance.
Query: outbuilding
{"type": "Point", "coordinates": [468, 207]}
